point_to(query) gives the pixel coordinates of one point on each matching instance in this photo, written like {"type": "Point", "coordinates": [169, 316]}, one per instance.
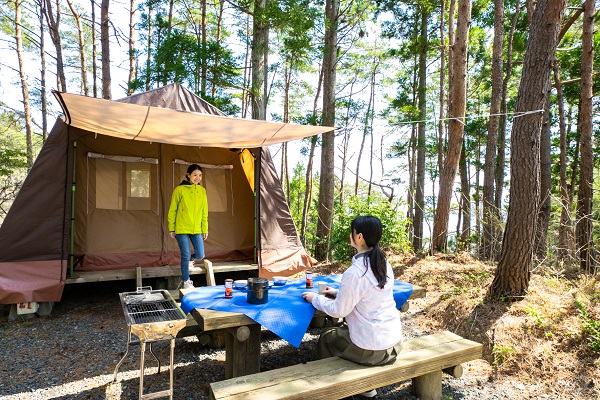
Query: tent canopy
{"type": "Point", "coordinates": [163, 125]}
{"type": "Point", "coordinates": [125, 157]}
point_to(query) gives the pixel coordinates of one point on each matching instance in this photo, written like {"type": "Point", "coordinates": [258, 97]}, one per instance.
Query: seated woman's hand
{"type": "Point", "coordinates": [308, 296]}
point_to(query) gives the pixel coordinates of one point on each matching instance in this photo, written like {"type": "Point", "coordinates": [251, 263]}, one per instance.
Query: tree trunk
{"type": "Point", "coordinates": [442, 87]}
{"type": "Point", "coordinates": [513, 273]}
{"type": "Point", "coordinates": [308, 192]}
{"type": "Point", "coordinates": [149, 46]}
{"type": "Point", "coordinates": [500, 163]}
{"type": "Point", "coordinates": [260, 43]}
{"type": "Point", "coordinates": [463, 240]}
{"type": "Point", "coordinates": [586, 178]}
{"type": "Point", "coordinates": [327, 181]}
{"type": "Point", "coordinates": [94, 52]}
{"type": "Point", "coordinates": [419, 204]}
{"type": "Point", "coordinates": [54, 30]}
{"type": "Point", "coordinates": [104, 39]}
{"type": "Point", "coordinates": [132, 57]}
{"type": "Point", "coordinates": [204, 53]}
{"type": "Point", "coordinates": [566, 237]}
{"type": "Point", "coordinates": [41, 4]}
{"type": "Point", "coordinates": [543, 218]}
{"type": "Point", "coordinates": [24, 87]}
{"type": "Point", "coordinates": [216, 74]}
{"type": "Point", "coordinates": [366, 129]}
{"type": "Point", "coordinates": [489, 217]}
{"type": "Point", "coordinates": [81, 43]}
{"type": "Point", "coordinates": [456, 128]}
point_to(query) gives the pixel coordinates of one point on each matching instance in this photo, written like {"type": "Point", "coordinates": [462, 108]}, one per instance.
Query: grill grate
{"type": "Point", "coordinates": [160, 311]}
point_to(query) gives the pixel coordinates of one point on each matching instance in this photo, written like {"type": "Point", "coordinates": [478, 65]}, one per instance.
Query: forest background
{"type": "Point", "coordinates": [465, 126]}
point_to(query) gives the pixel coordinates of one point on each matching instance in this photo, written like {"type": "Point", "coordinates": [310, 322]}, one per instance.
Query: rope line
{"type": "Point", "coordinates": [515, 114]}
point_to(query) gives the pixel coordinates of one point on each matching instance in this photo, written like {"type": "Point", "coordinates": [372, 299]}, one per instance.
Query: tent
{"type": "Point", "coordinates": [97, 196]}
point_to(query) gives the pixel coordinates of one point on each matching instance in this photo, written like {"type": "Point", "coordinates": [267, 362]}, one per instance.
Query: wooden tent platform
{"type": "Point", "coordinates": [165, 271]}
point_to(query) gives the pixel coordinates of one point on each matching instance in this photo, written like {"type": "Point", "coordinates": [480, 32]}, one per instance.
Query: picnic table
{"type": "Point", "coordinates": [285, 314]}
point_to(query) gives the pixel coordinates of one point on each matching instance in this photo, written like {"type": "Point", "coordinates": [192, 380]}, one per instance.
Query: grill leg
{"type": "Point", "coordinates": [171, 369]}
{"type": "Point", "coordinates": [124, 355]}
{"type": "Point", "coordinates": [157, 360]}
{"type": "Point", "coordinates": [143, 351]}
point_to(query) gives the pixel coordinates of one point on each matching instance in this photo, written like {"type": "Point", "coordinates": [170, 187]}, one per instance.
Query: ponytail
{"type": "Point", "coordinates": [371, 229]}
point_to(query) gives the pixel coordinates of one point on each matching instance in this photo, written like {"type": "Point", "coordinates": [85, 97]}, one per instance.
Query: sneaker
{"type": "Point", "coordinates": [372, 394]}
{"type": "Point", "coordinates": [188, 284]}
{"type": "Point", "coordinates": [191, 264]}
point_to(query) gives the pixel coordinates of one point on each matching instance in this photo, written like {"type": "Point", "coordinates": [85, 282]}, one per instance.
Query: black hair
{"type": "Point", "coordinates": [371, 229]}
{"type": "Point", "coordinates": [193, 167]}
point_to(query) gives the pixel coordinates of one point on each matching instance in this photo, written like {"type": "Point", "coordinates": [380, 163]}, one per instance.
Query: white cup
{"type": "Point", "coordinates": [322, 287]}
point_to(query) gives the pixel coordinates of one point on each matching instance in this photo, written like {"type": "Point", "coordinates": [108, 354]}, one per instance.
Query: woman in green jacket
{"type": "Point", "coordinates": [188, 220]}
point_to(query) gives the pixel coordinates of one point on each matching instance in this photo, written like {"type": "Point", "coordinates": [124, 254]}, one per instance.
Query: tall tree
{"type": "Point", "coordinates": [419, 203]}
{"type": "Point", "coordinates": [24, 87]}
{"type": "Point", "coordinates": [500, 162]}
{"type": "Point", "coordinates": [53, 21]}
{"type": "Point", "coordinates": [513, 273]}
{"type": "Point", "coordinates": [327, 183]}
{"type": "Point", "coordinates": [490, 212]}
{"type": "Point", "coordinates": [566, 238]}
{"type": "Point", "coordinates": [81, 47]}
{"type": "Point", "coordinates": [44, 97]}
{"type": "Point", "coordinates": [456, 126]}
{"type": "Point", "coordinates": [94, 51]}
{"type": "Point", "coordinates": [131, 48]}
{"type": "Point", "coordinates": [584, 194]}
{"type": "Point", "coordinates": [543, 218]}
{"type": "Point", "coordinates": [259, 59]}
{"type": "Point", "coordinates": [105, 40]}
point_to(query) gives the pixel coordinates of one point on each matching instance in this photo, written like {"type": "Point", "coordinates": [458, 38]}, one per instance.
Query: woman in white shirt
{"type": "Point", "coordinates": [372, 334]}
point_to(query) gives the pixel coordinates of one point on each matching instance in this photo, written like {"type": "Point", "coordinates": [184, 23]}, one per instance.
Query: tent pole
{"type": "Point", "coordinates": [256, 205]}
{"type": "Point", "coordinates": [71, 253]}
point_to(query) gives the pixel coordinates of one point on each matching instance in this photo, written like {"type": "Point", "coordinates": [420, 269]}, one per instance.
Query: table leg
{"type": "Point", "coordinates": [242, 357]}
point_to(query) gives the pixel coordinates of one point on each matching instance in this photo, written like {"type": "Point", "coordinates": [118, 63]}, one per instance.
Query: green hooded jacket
{"type": "Point", "coordinates": [188, 213]}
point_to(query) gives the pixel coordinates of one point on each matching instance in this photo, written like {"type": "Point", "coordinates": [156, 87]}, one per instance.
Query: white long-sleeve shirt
{"type": "Point", "coordinates": [370, 312]}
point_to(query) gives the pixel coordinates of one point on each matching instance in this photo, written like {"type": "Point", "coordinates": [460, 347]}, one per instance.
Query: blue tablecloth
{"type": "Point", "coordinates": [286, 313]}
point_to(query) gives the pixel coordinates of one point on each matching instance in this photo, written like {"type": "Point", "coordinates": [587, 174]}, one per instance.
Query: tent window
{"type": "Point", "coordinates": [121, 184]}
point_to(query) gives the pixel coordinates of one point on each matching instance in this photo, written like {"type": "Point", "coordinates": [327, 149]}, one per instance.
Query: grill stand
{"type": "Point", "coordinates": [151, 316]}
{"type": "Point", "coordinates": [142, 344]}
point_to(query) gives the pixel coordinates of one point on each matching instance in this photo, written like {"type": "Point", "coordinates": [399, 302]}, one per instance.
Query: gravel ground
{"type": "Point", "coordinates": [72, 353]}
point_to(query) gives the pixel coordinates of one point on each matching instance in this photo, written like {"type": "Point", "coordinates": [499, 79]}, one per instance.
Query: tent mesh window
{"type": "Point", "coordinates": [122, 183]}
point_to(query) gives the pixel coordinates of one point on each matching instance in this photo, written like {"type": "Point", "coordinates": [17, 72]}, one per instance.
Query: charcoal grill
{"type": "Point", "coordinates": [151, 315]}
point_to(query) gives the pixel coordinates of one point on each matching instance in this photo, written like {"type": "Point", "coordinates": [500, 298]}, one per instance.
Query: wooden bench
{"type": "Point", "coordinates": [422, 359]}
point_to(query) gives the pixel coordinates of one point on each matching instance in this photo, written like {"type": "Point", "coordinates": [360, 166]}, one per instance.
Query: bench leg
{"type": "Point", "coordinates": [429, 386]}
{"type": "Point", "coordinates": [242, 357]}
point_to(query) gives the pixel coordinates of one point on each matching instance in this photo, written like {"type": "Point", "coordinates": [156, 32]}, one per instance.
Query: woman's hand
{"type": "Point", "coordinates": [308, 296]}
{"type": "Point", "coordinates": [172, 234]}
{"type": "Point", "coordinates": [205, 236]}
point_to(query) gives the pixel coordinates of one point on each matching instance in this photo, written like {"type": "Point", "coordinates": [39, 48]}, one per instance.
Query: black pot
{"type": "Point", "coordinates": [258, 290]}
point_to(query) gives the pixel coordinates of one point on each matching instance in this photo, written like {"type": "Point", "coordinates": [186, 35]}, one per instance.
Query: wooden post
{"type": "Point", "coordinates": [428, 386]}
{"type": "Point", "coordinates": [243, 358]}
{"type": "Point", "coordinates": [138, 276]}
{"type": "Point", "coordinates": [210, 274]}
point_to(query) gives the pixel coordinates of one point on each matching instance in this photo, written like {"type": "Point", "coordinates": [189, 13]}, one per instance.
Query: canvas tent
{"type": "Point", "coordinates": [98, 194]}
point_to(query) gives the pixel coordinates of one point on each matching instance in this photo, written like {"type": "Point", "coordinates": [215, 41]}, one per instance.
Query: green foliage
{"type": "Point", "coordinates": [502, 354]}
{"type": "Point", "coordinates": [591, 327]}
{"type": "Point", "coordinates": [394, 236]}
{"type": "Point", "coordinates": [13, 160]}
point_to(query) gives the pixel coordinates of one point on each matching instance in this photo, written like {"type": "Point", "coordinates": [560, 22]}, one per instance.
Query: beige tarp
{"type": "Point", "coordinates": [162, 125]}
